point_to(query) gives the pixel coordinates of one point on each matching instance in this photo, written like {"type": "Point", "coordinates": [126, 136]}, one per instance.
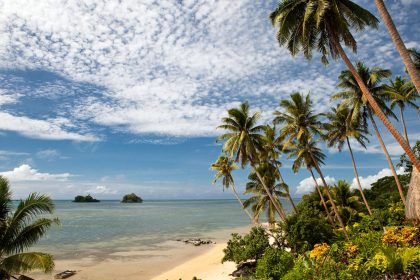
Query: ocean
{"type": "Point", "coordinates": [110, 226]}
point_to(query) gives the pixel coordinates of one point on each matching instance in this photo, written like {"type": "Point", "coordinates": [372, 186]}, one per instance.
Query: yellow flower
{"type": "Point", "coordinates": [350, 249]}
{"type": "Point", "coordinates": [319, 250]}
{"type": "Point", "coordinates": [402, 236]}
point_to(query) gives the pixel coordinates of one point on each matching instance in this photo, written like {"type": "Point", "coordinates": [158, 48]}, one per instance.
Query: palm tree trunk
{"type": "Point", "coordinates": [377, 109]}
{"type": "Point", "coordinates": [242, 204]}
{"type": "Point", "coordinates": [329, 195]}
{"type": "Point", "coordinates": [396, 38]}
{"type": "Point", "coordinates": [403, 123]}
{"type": "Point", "coordinates": [391, 165]}
{"type": "Point", "coordinates": [322, 198]}
{"type": "Point", "coordinates": [357, 178]}
{"type": "Point", "coordinates": [266, 189]}
{"type": "Point", "coordinates": [412, 211]}
{"type": "Point", "coordinates": [291, 202]}
{"type": "Point", "coordinates": [288, 194]}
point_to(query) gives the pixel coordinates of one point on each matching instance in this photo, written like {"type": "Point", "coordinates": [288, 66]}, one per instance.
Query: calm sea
{"type": "Point", "coordinates": [111, 226]}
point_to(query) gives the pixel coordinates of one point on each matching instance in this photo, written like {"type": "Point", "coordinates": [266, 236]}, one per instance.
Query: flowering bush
{"type": "Point", "coordinates": [350, 249]}
{"type": "Point", "coordinates": [401, 236]}
{"type": "Point", "coordinates": [319, 250]}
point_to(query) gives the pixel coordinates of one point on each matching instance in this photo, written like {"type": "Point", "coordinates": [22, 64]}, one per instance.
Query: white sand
{"type": "Point", "coordinates": [171, 260]}
{"type": "Point", "coordinates": [184, 262]}
{"type": "Point", "coordinates": [207, 266]}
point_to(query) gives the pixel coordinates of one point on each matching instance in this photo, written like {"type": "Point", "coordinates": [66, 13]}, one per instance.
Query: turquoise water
{"type": "Point", "coordinates": [111, 226]}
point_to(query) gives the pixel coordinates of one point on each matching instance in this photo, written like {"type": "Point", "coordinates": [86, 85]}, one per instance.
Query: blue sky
{"type": "Point", "coordinates": [106, 98]}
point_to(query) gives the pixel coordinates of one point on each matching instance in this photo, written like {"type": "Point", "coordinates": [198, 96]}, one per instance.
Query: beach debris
{"type": "Point", "coordinates": [65, 274]}
{"type": "Point", "coordinates": [196, 241]}
{"type": "Point", "coordinates": [23, 277]}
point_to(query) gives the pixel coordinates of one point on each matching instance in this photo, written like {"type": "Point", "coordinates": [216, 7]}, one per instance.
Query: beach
{"type": "Point", "coordinates": [180, 261]}
{"type": "Point", "coordinates": [110, 240]}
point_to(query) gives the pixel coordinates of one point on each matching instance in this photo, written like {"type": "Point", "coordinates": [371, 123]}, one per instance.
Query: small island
{"type": "Point", "coordinates": [87, 198]}
{"type": "Point", "coordinates": [131, 198]}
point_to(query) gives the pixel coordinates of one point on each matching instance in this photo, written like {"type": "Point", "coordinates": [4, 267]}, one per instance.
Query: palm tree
{"type": "Point", "coordinates": [339, 128]}
{"type": "Point", "coordinates": [401, 93]}
{"type": "Point", "coordinates": [270, 152]}
{"type": "Point", "coordinates": [354, 98]}
{"type": "Point", "coordinates": [224, 167]}
{"type": "Point", "coordinates": [396, 38]}
{"type": "Point", "coordinates": [300, 152]}
{"type": "Point", "coordinates": [301, 124]}
{"type": "Point", "coordinates": [22, 229]}
{"type": "Point", "coordinates": [260, 201]}
{"type": "Point", "coordinates": [415, 55]}
{"type": "Point", "coordinates": [244, 141]}
{"type": "Point", "coordinates": [304, 25]}
{"type": "Point", "coordinates": [347, 202]}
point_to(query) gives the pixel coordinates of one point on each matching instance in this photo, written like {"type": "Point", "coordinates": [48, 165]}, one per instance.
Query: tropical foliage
{"type": "Point", "coordinates": [21, 229]}
{"type": "Point", "coordinates": [335, 232]}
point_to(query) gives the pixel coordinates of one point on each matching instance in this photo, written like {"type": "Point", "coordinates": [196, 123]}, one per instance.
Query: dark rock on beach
{"type": "Point", "coordinates": [196, 241]}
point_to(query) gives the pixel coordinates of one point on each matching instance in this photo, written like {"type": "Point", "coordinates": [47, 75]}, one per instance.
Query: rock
{"type": "Point", "coordinates": [196, 241]}
{"type": "Point", "coordinates": [243, 268]}
{"type": "Point", "coordinates": [131, 198]}
{"type": "Point", "coordinates": [87, 198]}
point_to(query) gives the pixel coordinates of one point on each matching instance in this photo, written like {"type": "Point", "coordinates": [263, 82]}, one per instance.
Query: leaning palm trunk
{"type": "Point", "coordinates": [327, 190]}
{"type": "Point", "coordinates": [322, 198]}
{"type": "Point", "coordinates": [242, 204]}
{"type": "Point", "coordinates": [357, 177]}
{"type": "Point", "coordinates": [377, 109]}
{"type": "Point", "coordinates": [391, 166]}
{"type": "Point", "coordinates": [291, 202]}
{"type": "Point", "coordinates": [289, 197]}
{"type": "Point", "coordinates": [403, 123]}
{"type": "Point", "coordinates": [412, 209]}
{"type": "Point", "coordinates": [411, 69]}
{"type": "Point", "coordinates": [267, 190]}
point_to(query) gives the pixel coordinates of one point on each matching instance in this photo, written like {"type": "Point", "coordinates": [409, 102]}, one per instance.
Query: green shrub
{"type": "Point", "coordinates": [250, 247]}
{"type": "Point", "coordinates": [274, 264]}
{"type": "Point", "coordinates": [306, 229]}
{"type": "Point", "coordinates": [302, 270]}
{"type": "Point", "coordinates": [394, 260]}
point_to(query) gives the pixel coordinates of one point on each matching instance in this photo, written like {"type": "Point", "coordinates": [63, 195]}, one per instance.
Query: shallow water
{"type": "Point", "coordinates": [110, 226]}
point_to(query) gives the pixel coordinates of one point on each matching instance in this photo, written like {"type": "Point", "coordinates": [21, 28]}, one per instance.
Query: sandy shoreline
{"type": "Point", "coordinates": [207, 266]}
{"type": "Point", "coordinates": [173, 260]}
{"type": "Point", "coordinates": [203, 262]}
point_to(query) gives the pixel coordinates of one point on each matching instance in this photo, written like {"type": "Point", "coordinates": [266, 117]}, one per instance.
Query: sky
{"type": "Point", "coordinates": [108, 98]}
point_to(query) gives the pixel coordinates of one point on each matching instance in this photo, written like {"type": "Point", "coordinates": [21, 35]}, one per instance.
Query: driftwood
{"type": "Point", "coordinates": [65, 274]}
{"type": "Point", "coordinates": [412, 209]}
{"type": "Point", "coordinates": [23, 277]}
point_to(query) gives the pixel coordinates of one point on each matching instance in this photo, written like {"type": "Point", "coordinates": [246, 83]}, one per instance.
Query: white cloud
{"type": "Point", "coordinates": [410, 2]}
{"type": "Point", "coordinates": [49, 154]}
{"type": "Point", "coordinates": [307, 185]}
{"type": "Point", "coordinates": [392, 146]}
{"type": "Point", "coordinates": [43, 129]}
{"type": "Point", "coordinates": [101, 190]}
{"type": "Point", "coordinates": [366, 182]}
{"type": "Point", "coordinates": [169, 68]}
{"type": "Point", "coordinates": [7, 98]}
{"type": "Point", "coordinates": [25, 172]}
